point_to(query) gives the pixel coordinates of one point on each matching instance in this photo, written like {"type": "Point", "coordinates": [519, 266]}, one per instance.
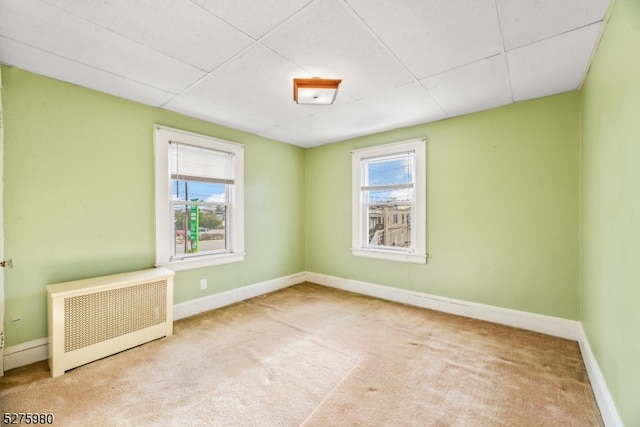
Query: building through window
{"type": "Point", "coordinates": [389, 201]}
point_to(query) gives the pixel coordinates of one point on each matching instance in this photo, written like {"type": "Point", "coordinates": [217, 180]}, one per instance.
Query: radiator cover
{"type": "Point", "coordinates": [93, 318]}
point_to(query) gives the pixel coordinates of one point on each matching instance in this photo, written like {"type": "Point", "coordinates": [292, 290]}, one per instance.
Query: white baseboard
{"type": "Point", "coordinates": [26, 353]}
{"type": "Point", "coordinates": [520, 319]}
{"type": "Point", "coordinates": [211, 302]}
{"type": "Point", "coordinates": [600, 390]}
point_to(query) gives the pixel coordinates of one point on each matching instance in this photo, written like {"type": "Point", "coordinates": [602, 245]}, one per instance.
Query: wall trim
{"type": "Point", "coordinates": [211, 302]}
{"type": "Point", "coordinates": [26, 353]}
{"type": "Point", "coordinates": [549, 325]}
{"type": "Point", "coordinates": [600, 390]}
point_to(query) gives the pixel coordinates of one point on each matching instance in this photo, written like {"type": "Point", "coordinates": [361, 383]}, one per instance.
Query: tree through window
{"type": "Point", "coordinates": [199, 200]}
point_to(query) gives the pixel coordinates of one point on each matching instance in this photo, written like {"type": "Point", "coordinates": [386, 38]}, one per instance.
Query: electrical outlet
{"type": "Point", "coordinates": [203, 284]}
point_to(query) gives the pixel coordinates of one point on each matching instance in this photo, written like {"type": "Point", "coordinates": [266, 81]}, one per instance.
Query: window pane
{"type": "Point", "coordinates": [199, 229]}
{"type": "Point", "coordinates": [389, 226]}
{"type": "Point", "coordinates": [198, 191]}
{"type": "Point", "coordinates": [389, 170]}
{"type": "Point", "coordinates": [387, 196]}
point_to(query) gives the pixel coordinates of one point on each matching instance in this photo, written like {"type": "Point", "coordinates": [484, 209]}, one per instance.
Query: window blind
{"type": "Point", "coordinates": [192, 163]}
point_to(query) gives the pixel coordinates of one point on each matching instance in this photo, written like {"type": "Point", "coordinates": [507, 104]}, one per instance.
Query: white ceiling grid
{"type": "Point", "coordinates": [232, 62]}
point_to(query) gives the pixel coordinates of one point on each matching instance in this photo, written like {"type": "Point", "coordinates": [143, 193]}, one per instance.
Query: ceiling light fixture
{"type": "Point", "coordinates": [315, 91]}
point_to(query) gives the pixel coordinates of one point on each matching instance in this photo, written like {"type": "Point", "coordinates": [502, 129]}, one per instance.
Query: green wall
{"type": "Point", "coordinates": [78, 196]}
{"type": "Point", "coordinates": [502, 209]}
{"type": "Point", "coordinates": [610, 208]}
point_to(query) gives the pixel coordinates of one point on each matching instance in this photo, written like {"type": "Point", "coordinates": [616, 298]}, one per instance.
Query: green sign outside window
{"type": "Point", "coordinates": [194, 226]}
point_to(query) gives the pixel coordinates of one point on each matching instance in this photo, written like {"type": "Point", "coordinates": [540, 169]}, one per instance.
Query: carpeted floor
{"type": "Point", "coordinates": [315, 356]}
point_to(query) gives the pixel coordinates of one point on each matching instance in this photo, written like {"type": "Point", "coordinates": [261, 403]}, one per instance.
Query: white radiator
{"type": "Point", "coordinates": [94, 318]}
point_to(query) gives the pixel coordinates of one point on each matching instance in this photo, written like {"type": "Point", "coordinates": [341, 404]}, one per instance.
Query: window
{"type": "Point", "coordinates": [199, 200]}
{"type": "Point", "coordinates": [389, 201]}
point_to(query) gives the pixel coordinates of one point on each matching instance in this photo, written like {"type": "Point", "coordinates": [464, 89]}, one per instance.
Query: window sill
{"type": "Point", "coordinates": [203, 261]}
{"type": "Point", "coordinates": [414, 258]}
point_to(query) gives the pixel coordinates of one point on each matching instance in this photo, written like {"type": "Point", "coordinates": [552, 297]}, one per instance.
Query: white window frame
{"type": "Point", "coordinates": [360, 247]}
{"type": "Point", "coordinates": [163, 210]}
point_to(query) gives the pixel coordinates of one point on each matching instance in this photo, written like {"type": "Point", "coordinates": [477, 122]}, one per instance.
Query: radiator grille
{"type": "Point", "coordinates": [100, 316]}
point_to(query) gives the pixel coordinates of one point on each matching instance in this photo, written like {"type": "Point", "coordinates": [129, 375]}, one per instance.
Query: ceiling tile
{"type": "Point", "coordinates": [212, 112]}
{"type": "Point", "coordinates": [266, 82]}
{"type": "Point", "coordinates": [46, 64]}
{"type": "Point", "coordinates": [553, 65]}
{"type": "Point", "coordinates": [177, 28]}
{"type": "Point", "coordinates": [326, 40]}
{"type": "Point", "coordinates": [525, 21]}
{"type": "Point", "coordinates": [39, 24]}
{"type": "Point", "coordinates": [254, 18]}
{"type": "Point", "coordinates": [343, 122]}
{"type": "Point", "coordinates": [404, 106]}
{"type": "Point", "coordinates": [432, 36]}
{"type": "Point", "coordinates": [301, 139]}
{"type": "Point", "coordinates": [475, 87]}
{"type": "Point", "coordinates": [241, 100]}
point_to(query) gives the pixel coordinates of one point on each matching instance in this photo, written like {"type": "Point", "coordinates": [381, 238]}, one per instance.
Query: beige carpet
{"type": "Point", "coordinates": [314, 356]}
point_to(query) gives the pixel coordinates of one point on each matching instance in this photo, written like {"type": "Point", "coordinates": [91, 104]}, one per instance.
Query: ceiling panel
{"type": "Point", "coordinates": [39, 24]}
{"type": "Point", "coordinates": [432, 36]}
{"type": "Point", "coordinates": [32, 59]}
{"type": "Point", "coordinates": [553, 65]}
{"type": "Point", "coordinates": [180, 28]}
{"type": "Point", "coordinates": [332, 125]}
{"type": "Point", "coordinates": [301, 139]}
{"type": "Point", "coordinates": [211, 111]}
{"type": "Point", "coordinates": [327, 41]}
{"type": "Point", "coordinates": [237, 100]}
{"type": "Point", "coordinates": [525, 21]}
{"type": "Point", "coordinates": [254, 18]}
{"type": "Point", "coordinates": [404, 106]}
{"type": "Point", "coordinates": [475, 87]}
{"type": "Point", "coordinates": [267, 81]}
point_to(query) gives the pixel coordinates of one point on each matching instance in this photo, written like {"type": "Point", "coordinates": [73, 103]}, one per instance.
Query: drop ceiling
{"type": "Point", "coordinates": [232, 62]}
